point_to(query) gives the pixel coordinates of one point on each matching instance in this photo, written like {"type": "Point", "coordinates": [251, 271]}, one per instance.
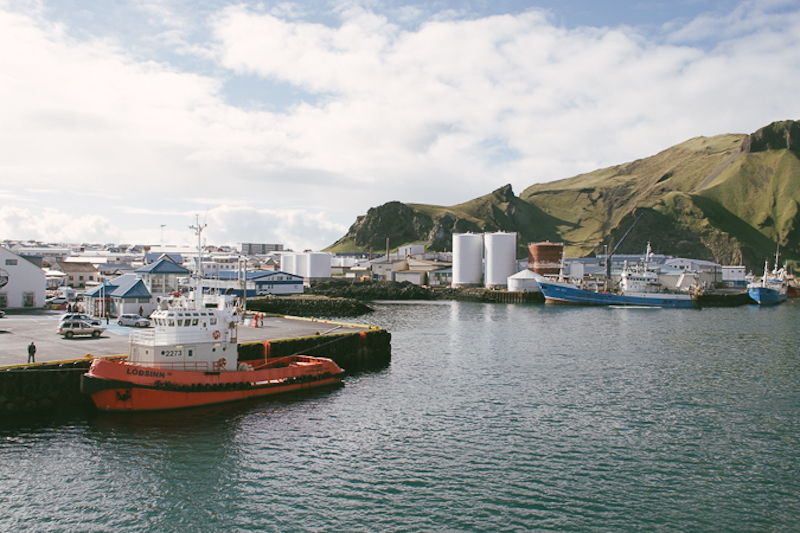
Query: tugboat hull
{"type": "Point", "coordinates": [119, 386]}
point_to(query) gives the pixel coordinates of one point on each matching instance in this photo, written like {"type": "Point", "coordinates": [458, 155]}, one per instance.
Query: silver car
{"type": "Point", "coordinates": [80, 316]}
{"type": "Point", "coordinates": [136, 321]}
{"type": "Point", "coordinates": [70, 328]}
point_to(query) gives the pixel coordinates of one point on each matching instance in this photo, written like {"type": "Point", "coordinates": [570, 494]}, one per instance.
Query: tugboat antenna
{"type": "Point", "coordinates": [198, 229]}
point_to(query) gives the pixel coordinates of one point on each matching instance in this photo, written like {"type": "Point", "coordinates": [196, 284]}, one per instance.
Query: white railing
{"type": "Point", "coordinates": [193, 366]}
{"type": "Point", "coordinates": [153, 338]}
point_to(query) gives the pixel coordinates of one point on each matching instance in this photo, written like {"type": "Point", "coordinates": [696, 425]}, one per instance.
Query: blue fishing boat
{"type": "Point", "coordinates": [560, 292]}
{"type": "Point", "coordinates": [638, 286]}
{"type": "Point", "coordinates": [772, 288]}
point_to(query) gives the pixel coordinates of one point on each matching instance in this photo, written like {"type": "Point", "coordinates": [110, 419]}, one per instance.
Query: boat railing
{"type": "Point", "coordinates": [152, 338]}
{"type": "Point", "coordinates": [201, 366]}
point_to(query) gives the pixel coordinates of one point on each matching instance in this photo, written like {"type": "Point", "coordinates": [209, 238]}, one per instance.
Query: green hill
{"type": "Point", "coordinates": [725, 198]}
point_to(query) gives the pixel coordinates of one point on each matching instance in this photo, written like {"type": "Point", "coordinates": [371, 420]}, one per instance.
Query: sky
{"type": "Point", "coordinates": [281, 122]}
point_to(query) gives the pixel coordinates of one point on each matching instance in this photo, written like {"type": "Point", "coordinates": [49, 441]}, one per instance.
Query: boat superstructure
{"type": "Point", "coordinates": [772, 288]}
{"type": "Point", "coordinates": [188, 337]}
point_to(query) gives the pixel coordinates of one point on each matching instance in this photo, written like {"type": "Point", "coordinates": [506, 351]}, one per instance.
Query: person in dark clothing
{"type": "Point", "coordinates": [32, 353]}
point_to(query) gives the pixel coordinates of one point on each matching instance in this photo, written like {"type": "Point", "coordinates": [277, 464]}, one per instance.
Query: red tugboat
{"type": "Point", "coordinates": [189, 359]}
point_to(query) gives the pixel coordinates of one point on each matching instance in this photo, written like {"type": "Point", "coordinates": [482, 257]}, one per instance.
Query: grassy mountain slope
{"type": "Point", "coordinates": [725, 198]}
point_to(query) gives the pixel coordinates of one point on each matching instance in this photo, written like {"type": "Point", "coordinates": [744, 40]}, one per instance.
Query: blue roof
{"type": "Point", "coordinates": [162, 266]}
{"type": "Point", "coordinates": [153, 257]}
{"type": "Point", "coordinates": [131, 289]}
{"type": "Point", "coordinates": [127, 286]}
{"type": "Point", "coordinates": [232, 275]}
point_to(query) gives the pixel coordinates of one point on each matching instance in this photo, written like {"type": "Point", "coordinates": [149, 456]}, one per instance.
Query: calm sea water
{"type": "Point", "coordinates": [490, 418]}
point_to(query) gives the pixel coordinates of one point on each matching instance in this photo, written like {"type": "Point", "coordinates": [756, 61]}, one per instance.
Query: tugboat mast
{"type": "Point", "coordinates": [198, 273]}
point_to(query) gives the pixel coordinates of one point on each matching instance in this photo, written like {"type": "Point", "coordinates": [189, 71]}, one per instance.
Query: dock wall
{"type": "Point", "coordinates": [42, 387]}
{"type": "Point", "coordinates": [352, 351]}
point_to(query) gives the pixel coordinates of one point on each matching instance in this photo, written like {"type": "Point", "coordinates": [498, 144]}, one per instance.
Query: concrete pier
{"type": "Point", "coordinates": [54, 380]}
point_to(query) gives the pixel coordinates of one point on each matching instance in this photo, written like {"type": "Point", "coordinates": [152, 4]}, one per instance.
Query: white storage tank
{"type": "Point", "coordinates": [467, 259]}
{"type": "Point", "coordinates": [301, 265]}
{"type": "Point", "coordinates": [501, 258]}
{"type": "Point", "coordinates": [287, 263]}
{"type": "Point", "coordinates": [319, 265]}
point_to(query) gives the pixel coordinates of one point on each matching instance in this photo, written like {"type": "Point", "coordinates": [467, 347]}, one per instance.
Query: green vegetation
{"type": "Point", "coordinates": [726, 198]}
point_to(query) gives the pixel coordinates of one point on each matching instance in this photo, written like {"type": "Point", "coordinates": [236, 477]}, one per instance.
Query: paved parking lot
{"type": "Point", "coordinates": [19, 328]}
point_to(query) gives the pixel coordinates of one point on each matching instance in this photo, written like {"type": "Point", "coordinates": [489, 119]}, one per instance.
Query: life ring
{"type": "Point", "coordinates": [215, 334]}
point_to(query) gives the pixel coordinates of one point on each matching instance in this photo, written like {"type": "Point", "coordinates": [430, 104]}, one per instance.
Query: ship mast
{"type": "Point", "coordinates": [198, 273]}
{"type": "Point", "coordinates": [608, 257]}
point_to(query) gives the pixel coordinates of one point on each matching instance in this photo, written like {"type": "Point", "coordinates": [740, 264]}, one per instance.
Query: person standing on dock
{"type": "Point", "coordinates": [31, 353]}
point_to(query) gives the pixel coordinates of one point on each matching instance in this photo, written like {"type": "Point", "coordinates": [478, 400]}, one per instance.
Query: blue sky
{"type": "Point", "coordinates": [284, 121]}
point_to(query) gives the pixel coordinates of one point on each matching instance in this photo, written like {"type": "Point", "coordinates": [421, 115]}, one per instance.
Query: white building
{"type": "Point", "coordinates": [734, 276]}
{"type": "Point", "coordinates": [525, 281]}
{"type": "Point", "coordinates": [50, 254]}
{"type": "Point", "coordinates": [410, 250]}
{"type": "Point", "coordinates": [259, 283]}
{"type": "Point", "coordinates": [22, 284]}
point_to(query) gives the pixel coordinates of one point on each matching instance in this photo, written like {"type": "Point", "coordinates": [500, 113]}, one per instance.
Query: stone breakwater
{"type": "Point", "coordinates": [317, 306]}
{"type": "Point", "coordinates": [392, 290]}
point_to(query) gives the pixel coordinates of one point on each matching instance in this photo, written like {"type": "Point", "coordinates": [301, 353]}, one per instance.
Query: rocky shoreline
{"type": "Point", "coordinates": [340, 298]}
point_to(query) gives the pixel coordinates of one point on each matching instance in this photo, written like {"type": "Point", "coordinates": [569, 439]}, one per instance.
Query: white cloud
{"type": "Point", "coordinates": [418, 106]}
{"type": "Point", "coordinates": [50, 225]}
{"type": "Point", "coordinates": [439, 114]}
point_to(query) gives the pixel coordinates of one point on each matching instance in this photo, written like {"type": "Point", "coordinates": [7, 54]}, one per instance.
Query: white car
{"type": "Point", "coordinates": [70, 328]}
{"type": "Point", "coordinates": [136, 321]}
{"type": "Point", "coordinates": [55, 302]}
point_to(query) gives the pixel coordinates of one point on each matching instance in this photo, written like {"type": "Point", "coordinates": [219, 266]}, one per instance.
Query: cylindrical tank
{"type": "Point", "coordinates": [301, 265]}
{"type": "Point", "coordinates": [545, 257]}
{"type": "Point", "coordinates": [287, 263]}
{"type": "Point", "coordinates": [501, 258]}
{"type": "Point", "coordinates": [467, 259]}
{"type": "Point", "coordinates": [319, 265]}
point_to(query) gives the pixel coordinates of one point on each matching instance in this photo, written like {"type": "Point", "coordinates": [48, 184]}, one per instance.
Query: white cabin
{"type": "Point", "coordinates": [183, 338]}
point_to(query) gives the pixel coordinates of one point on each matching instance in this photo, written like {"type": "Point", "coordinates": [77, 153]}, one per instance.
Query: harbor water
{"type": "Point", "coordinates": [490, 417]}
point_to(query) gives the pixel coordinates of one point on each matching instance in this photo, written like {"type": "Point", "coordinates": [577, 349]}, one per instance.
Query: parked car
{"type": "Point", "coordinates": [137, 321]}
{"type": "Point", "coordinates": [70, 328]}
{"type": "Point", "coordinates": [55, 302]}
{"type": "Point", "coordinates": [2, 314]}
{"type": "Point", "coordinates": [80, 316]}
